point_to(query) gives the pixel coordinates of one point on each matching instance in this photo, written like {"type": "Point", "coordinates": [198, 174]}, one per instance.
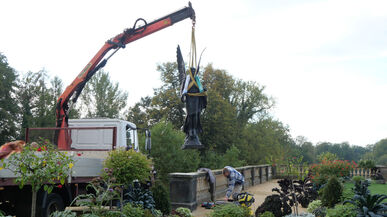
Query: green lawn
{"type": "Point", "coordinates": [374, 188]}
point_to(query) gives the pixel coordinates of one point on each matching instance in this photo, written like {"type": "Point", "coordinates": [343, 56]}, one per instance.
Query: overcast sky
{"type": "Point", "coordinates": [324, 62]}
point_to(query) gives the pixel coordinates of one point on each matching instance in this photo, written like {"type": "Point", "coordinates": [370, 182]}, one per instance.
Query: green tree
{"type": "Point", "coordinates": [232, 157]}
{"type": "Point", "coordinates": [36, 101]}
{"type": "Point", "coordinates": [37, 96]}
{"type": "Point", "coordinates": [306, 149]}
{"type": "Point", "coordinates": [266, 141]}
{"type": "Point", "coordinates": [139, 113]}
{"type": "Point", "coordinates": [39, 170]}
{"type": "Point", "coordinates": [250, 101]}
{"type": "Point", "coordinates": [327, 156]}
{"type": "Point", "coordinates": [380, 150]}
{"type": "Point", "coordinates": [166, 101]}
{"type": "Point", "coordinates": [8, 107]}
{"type": "Point", "coordinates": [167, 154]}
{"type": "Point", "coordinates": [103, 98]}
{"type": "Point", "coordinates": [219, 124]}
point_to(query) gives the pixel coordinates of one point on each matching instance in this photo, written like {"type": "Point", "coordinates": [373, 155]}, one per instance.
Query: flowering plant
{"type": "Point", "coordinates": [39, 165]}
{"type": "Point", "coordinates": [321, 172]}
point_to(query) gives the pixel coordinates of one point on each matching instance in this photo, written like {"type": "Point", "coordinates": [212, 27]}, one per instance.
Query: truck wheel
{"type": "Point", "coordinates": [54, 203]}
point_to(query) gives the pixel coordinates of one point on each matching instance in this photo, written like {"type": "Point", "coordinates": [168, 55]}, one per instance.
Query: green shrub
{"type": "Point", "coordinates": [267, 214]}
{"type": "Point", "coordinates": [138, 196]}
{"type": "Point", "coordinates": [320, 212]}
{"type": "Point", "coordinates": [132, 211]}
{"type": "Point", "coordinates": [127, 166]}
{"type": "Point", "coordinates": [232, 157]}
{"type": "Point", "coordinates": [332, 192]}
{"type": "Point", "coordinates": [367, 164]}
{"type": "Point", "coordinates": [167, 154]}
{"type": "Point", "coordinates": [65, 213]}
{"type": "Point", "coordinates": [184, 212]}
{"type": "Point", "coordinates": [346, 210]}
{"type": "Point", "coordinates": [230, 210]}
{"type": "Point", "coordinates": [314, 205]}
{"type": "Point", "coordinates": [157, 213]}
{"type": "Point", "coordinates": [161, 198]}
{"type": "Point", "coordinates": [112, 214]}
{"type": "Point", "coordinates": [321, 172]}
{"type": "Point", "coordinates": [357, 179]}
{"type": "Point", "coordinates": [147, 213]}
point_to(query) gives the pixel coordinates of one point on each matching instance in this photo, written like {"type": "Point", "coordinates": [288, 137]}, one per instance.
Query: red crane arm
{"type": "Point", "coordinates": [129, 35]}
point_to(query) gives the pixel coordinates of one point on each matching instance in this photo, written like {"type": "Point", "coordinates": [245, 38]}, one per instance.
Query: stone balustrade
{"type": "Point", "coordinates": [191, 189]}
{"type": "Point", "coordinates": [282, 171]}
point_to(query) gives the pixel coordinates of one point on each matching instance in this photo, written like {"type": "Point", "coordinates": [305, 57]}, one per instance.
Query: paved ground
{"type": "Point", "coordinates": [259, 191]}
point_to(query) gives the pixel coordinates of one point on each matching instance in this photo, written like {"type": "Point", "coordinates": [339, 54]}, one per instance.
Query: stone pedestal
{"type": "Point", "coordinates": [183, 190]}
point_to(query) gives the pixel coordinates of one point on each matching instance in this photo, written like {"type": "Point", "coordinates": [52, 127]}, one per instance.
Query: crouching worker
{"type": "Point", "coordinates": [235, 182]}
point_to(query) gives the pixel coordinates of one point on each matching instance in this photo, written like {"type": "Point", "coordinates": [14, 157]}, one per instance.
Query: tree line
{"type": "Point", "coordinates": [29, 100]}
{"type": "Point", "coordinates": [237, 123]}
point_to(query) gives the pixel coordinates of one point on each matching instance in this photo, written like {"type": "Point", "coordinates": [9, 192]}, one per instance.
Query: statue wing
{"type": "Point", "coordinates": [181, 68]}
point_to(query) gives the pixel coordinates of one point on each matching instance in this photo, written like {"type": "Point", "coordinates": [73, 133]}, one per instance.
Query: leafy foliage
{"type": "Point", "coordinates": [327, 156]}
{"type": "Point", "coordinates": [339, 210]}
{"type": "Point", "coordinates": [183, 212]}
{"type": "Point", "coordinates": [127, 166]}
{"type": "Point", "coordinates": [290, 193]}
{"type": "Point", "coordinates": [275, 204]}
{"type": "Point", "coordinates": [267, 214]}
{"type": "Point", "coordinates": [102, 194]}
{"type": "Point", "coordinates": [103, 98]}
{"type": "Point", "coordinates": [40, 165]}
{"type": "Point", "coordinates": [232, 157]}
{"type": "Point", "coordinates": [305, 191]}
{"type": "Point", "coordinates": [369, 205]}
{"type": "Point", "coordinates": [132, 211]}
{"type": "Point", "coordinates": [139, 197]}
{"type": "Point", "coordinates": [357, 179]}
{"type": "Point", "coordinates": [331, 193]}
{"type": "Point", "coordinates": [167, 154]}
{"type": "Point", "coordinates": [361, 188]}
{"type": "Point", "coordinates": [367, 164]}
{"type": "Point", "coordinates": [161, 197]}
{"type": "Point", "coordinates": [230, 210]}
{"type": "Point", "coordinates": [64, 213]}
{"type": "Point", "coordinates": [322, 171]}
{"type": "Point", "coordinates": [320, 212]}
{"type": "Point", "coordinates": [380, 152]}
{"type": "Point", "coordinates": [314, 205]}
{"type": "Point", "coordinates": [301, 215]}
{"type": "Point", "coordinates": [8, 111]}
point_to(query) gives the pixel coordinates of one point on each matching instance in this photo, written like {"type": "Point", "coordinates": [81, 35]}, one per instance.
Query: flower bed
{"type": "Point", "coordinates": [321, 172]}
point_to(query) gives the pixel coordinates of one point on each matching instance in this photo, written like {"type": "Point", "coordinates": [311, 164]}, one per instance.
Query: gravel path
{"type": "Point", "coordinates": [259, 191]}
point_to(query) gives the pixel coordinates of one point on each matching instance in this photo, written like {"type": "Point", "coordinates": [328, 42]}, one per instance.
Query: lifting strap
{"type": "Point", "coordinates": [192, 63]}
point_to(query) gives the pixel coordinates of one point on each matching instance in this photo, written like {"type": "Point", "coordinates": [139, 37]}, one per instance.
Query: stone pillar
{"type": "Point", "coordinates": [260, 175]}
{"type": "Point", "coordinates": [183, 190]}
{"type": "Point", "coordinates": [253, 176]}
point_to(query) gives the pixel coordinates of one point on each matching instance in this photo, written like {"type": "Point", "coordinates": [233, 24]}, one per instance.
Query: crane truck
{"type": "Point", "coordinates": [93, 138]}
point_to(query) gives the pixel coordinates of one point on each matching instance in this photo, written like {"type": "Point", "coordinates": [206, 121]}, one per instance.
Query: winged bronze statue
{"type": "Point", "coordinates": [194, 96]}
